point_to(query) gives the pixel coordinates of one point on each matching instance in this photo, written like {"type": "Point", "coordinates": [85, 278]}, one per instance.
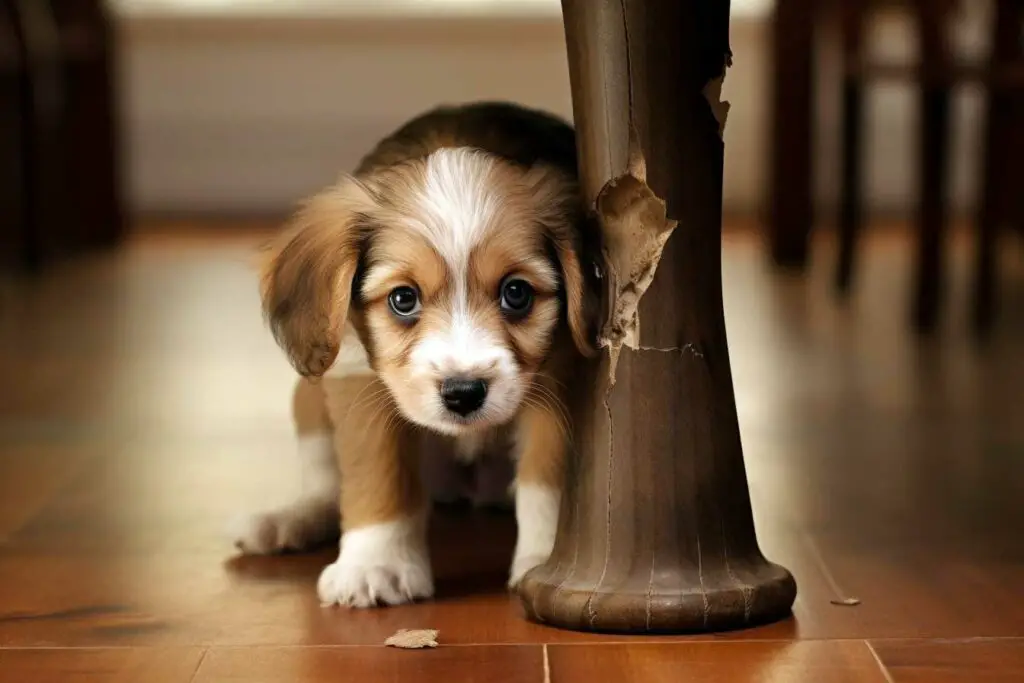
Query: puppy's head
{"type": "Point", "coordinates": [459, 271]}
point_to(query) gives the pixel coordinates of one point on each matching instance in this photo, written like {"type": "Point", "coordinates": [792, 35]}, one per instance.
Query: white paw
{"type": "Point", "coordinates": [295, 527]}
{"type": "Point", "coordinates": [351, 585]}
{"type": "Point", "coordinates": [384, 564]}
{"type": "Point", "coordinates": [521, 565]}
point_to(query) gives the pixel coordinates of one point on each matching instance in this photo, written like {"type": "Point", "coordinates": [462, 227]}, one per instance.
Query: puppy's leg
{"type": "Point", "coordinates": [311, 519]}
{"type": "Point", "coordinates": [383, 557]}
{"type": "Point", "coordinates": [541, 450]}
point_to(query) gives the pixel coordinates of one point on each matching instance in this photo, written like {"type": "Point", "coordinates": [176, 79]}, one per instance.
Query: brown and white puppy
{"type": "Point", "coordinates": [437, 288]}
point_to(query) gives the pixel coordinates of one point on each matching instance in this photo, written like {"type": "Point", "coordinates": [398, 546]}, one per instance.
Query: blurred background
{"type": "Point", "coordinates": [140, 111]}
{"type": "Point", "coordinates": [873, 267]}
{"type": "Point", "coordinates": [237, 107]}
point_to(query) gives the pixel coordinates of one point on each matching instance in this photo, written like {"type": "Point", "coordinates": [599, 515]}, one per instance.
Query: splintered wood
{"type": "Point", "coordinates": [413, 639]}
{"type": "Point", "coordinates": [636, 227]}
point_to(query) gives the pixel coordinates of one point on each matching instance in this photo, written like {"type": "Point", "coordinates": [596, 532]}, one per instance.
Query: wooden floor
{"type": "Point", "coordinates": [143, 403]}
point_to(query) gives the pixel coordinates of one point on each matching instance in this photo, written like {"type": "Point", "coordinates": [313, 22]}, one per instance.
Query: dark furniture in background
{"type": "Point", "coordinates": [933, 74]}
{"type": "Point", "coordinates": [1001, 200]}
{"type": "Point", "coordinates": [12, 140]}
{"type": "Point", "coordinates": [936, 74]}
{"type": "Point", "coordinates": [61, 150]}
{"type": "Point", "coordinates": [791, 168]}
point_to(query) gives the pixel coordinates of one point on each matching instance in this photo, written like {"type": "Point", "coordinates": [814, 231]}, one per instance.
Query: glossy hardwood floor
{"type": "Point", "coordinates": [143, 404]}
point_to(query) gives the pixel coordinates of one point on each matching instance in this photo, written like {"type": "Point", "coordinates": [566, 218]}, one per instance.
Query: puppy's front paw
{"type": "Point", "coordinates": [372, 585]}
{"type": "Point", "coordinates": [386, 564]}
{"type": "Point", "coordinates": [521, 565]}
{"type": "Point", "coordinates": [299, 526]}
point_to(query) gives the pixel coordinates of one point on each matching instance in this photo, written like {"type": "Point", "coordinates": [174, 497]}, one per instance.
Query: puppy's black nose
{"type": "Point", "coordinates": [463, 396]}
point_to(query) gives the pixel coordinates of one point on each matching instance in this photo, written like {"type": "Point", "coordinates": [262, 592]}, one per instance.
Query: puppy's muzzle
{"type": "Point", "coordinates": [463, 396]}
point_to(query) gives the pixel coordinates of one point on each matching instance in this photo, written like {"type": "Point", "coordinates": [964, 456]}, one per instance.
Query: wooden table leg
{"type": "Point", "coordinates": [933, 168]}
{"type": "Point", "coordinates": [851, 196]}
{"type": "Point", "coordinates": [1002, 145]}
{"type": "Point", "coordinates": [790, 183]}
{"type": "Point", "coordinates": [13, 222]}
{"type": "Point", "coordinates": [73, 192]}
{"type": "Point", "coordinates": [94, 151]}
{"type": "Point", "coordinates": [655, 530]}
{"type": "Point", "coordinates": [45, 143]}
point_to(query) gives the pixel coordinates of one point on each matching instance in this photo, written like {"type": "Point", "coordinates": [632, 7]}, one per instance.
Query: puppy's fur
{"type": "Point", "coordinates": [463, 209]}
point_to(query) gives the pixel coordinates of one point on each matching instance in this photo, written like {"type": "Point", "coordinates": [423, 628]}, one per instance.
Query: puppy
{"type": "Point", "coordinates": [439, 291]}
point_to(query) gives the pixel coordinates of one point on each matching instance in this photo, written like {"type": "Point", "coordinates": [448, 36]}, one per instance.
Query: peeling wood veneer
{"type": "Point", "coordinates": [636, 228]}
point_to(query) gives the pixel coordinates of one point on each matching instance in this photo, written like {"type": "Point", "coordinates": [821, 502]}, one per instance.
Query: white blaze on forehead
{"type": "Point", "coordinates": [458, 205]}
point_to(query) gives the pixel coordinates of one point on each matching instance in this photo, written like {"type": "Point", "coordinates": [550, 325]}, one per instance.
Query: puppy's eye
{"type": "Point", "coordinates": [516, 297]}
{"type": "Point", "coordinates": [404, 302]}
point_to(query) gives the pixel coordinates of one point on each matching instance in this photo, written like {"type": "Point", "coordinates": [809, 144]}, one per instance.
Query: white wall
{"type": "Point", "coordinates": [238, 106]}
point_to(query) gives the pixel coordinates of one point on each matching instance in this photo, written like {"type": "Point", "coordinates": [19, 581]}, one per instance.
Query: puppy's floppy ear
{"type": "Point", "coordinates": [560, 208]}
{"type": "Point", "coordinates": [307, 275]}
{"type": "Point", "coordinates": [579, 308]}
